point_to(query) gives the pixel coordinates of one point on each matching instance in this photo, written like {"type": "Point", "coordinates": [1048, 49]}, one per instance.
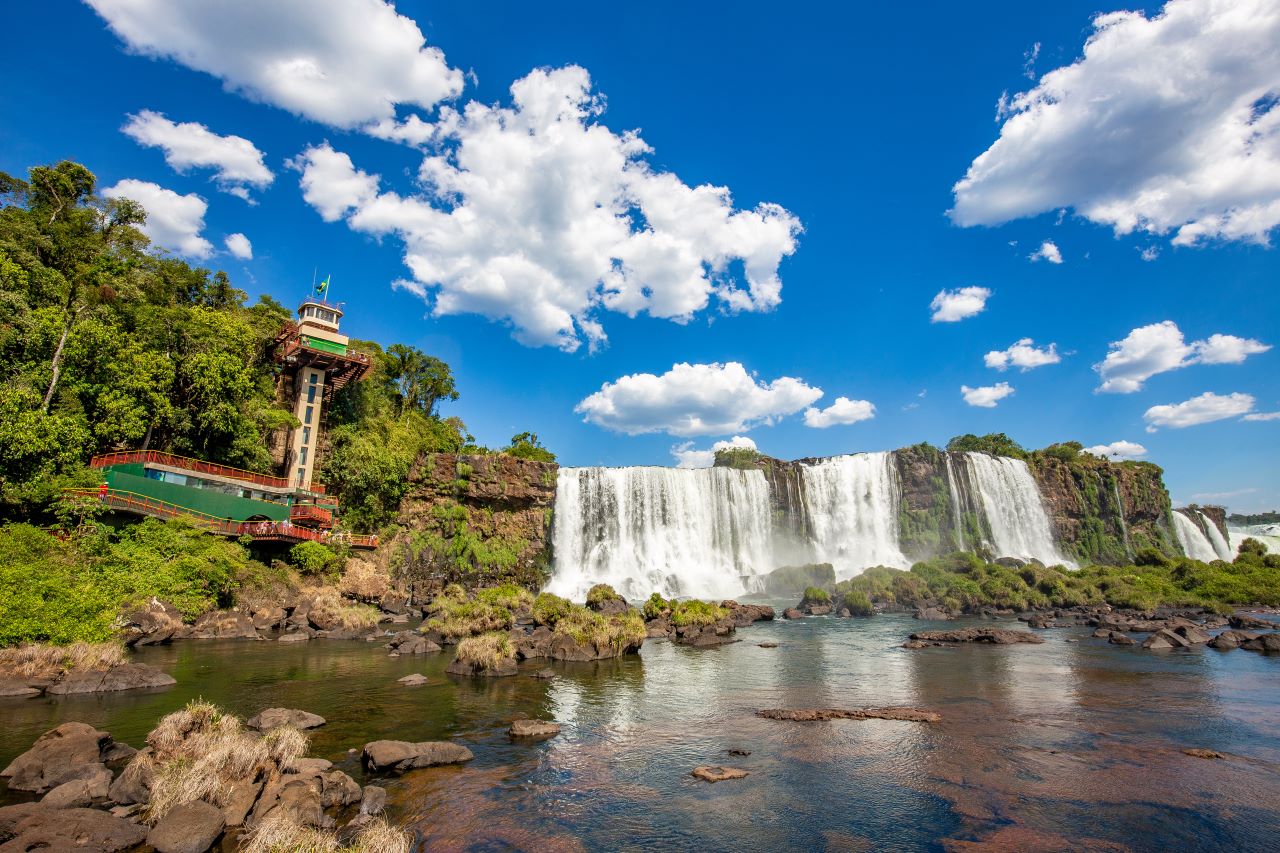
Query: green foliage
{"type": "Point", "coordinates": [508, 595]}
{"type": "Point", "coordinates": [995, 443]}
{"type": "Point", "coordinates": [1252, 547]}
{"type": "Point", "coordinates": [526, 445]}
{"type": "Point", "coordinates": [601, 593]}
{"type": "Point", "coordinates": [467, 618]}
{"type": "Point", "coordinates": [1066, 451]}
{"type": "Point", "coordinates": [744, 458]}
{"type": "Point", "coordinates": [617, 631]}
{"type": "Point", "coordinates": [966, 582]}
{"type": "Point", "coordinates": [63, 591]}
{"type": "Point", "coordinates": [695, 612]}
{"type": "Point", "coordinates": [314, 558]}
{"type": "Point", "coordinates": [857, 603]}
{"type": "Point", "coordinates": [816, 595]}
{"type": "Point", "coordinates": [456, 549]}
{"type": "Point", "coordinates": [655, 605]}
{"type": "Point", "coordinates": [548, 608]}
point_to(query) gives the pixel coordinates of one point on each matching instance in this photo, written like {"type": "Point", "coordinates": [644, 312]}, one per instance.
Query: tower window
{"type": "Point", "coordinates": [307, 419]}
{"type": "Point", "coordinates": [311, 394]}
{"type": "Point", "coordinates": [302, 476]}
{"type": "Point", "coordinates": [302, 456]}
{"type": "Point", "coordinates": [314, 377]}
{"type": "Point", "coordinates": [306, 435]}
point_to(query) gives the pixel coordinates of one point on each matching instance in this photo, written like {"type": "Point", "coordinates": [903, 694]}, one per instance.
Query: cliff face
{"type": "Point", "coordinates": [1104, 512]}
{"type": "Point", "coordinates": [474, 520]}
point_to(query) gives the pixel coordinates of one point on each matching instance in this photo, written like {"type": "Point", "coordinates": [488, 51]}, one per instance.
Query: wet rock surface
{"type": "Point", "coordinates": [811, 715]}
{"type": "Point", "coordinates": [273, 717]}
{"type": "Point", "coordinates": [993, 636]}
{"type": "Point", "coordinates": [398, 756]}
{"type": "Point", "coordinates": [715, 773]}
{"type": "Point", "coordinates": [533, 729]}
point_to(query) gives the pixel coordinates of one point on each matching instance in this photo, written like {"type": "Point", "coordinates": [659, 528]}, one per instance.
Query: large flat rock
{"type": "Point", "coordinates": [397, 756]}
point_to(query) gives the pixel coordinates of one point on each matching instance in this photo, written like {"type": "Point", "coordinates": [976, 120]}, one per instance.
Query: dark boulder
{"type": "Point", "coordinates": [188, 828]}
{"type": "Point", "coordinates": [792, 613]}
{"type": "Point", "coordinates": [82, 792]}
{"type": "Point", "coordinates": [64, 830]}
{"type": "Point", "coordinates": [1119, 639]}
{"type": "Point", "coordinates": [397, 756]}
{"type": "Point", "coordinates": [1245, 622]}
{"type": "Point", "coordinates": [994, 636]}
{"type": "Point", "coordinates": [70, 751]}
{"type": "Point", "coordinates": [224, 625]}
{"type": "Point", "coordinates": [932, 614]}
{"type": "Point", "coordinates": [126, 676]}
{"type": "Point", "coordinates": [155, 623]}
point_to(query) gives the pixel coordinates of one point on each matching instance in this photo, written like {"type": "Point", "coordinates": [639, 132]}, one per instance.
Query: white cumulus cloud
{"type": "Point", "coordinates": [1118, 450]}
{"type": "Point", "coordinates": [842, 411]}
{"type": "Point", "coordinates": [174, 222]}
{"type": "Point", "coordinates": [986, 396]}
{"type": "Point", "coordinates": [1048, 251]}
{"type": "Point", "coordinates": [694, 399]}
{"type": "Point", "coordinates": [538, 215]}
{"type": "Point", "coordinates": [346, 63]}
{"type": "Point", "coordinates": [950, 306]}
{"type": "Point", "coordinates": [1206, 408]}
{"type": "Point", "coordinates": [1159, 348]}
{"type": "Point", "coordinates": [1022, 354]}
{"type": "Point", "coordinates": [687, 456]}
{"type": "Point", "coordinates": [1165, 124]}
{"type": "Point", "coordinates": [239, 246]}
{"type": "Point", "coordinates": [236, 162]}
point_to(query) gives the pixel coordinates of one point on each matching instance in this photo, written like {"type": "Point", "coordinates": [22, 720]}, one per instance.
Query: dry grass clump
{"type": "Point", "coordinates": [459, 619]}
{"type": "Point", "coordinates": [364, 580]}
{"type": "Point", "coordinates": [198, 753]}
{"type": "Point", "coordinates": [43, 661]}
{"type": "Point", "coordinates": [618, 631]}
{"type": "Point", "coordinates": [281, 833]}
{"type": "Point", "coordinates": [487, 651]}
{"type": "Point", "coordinates": [329, 606]}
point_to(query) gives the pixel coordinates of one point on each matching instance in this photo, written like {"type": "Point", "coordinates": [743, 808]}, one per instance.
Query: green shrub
{"type": "Point", "coordinates": [549, 608]}
{"type": "Point", "coordinates": [313, 558]}
{"type": "Point", "coordinates": [508, 595]}
{"type": "Point", "coordinates": [857, 603]}
{"type": "Point", "coordinates": [695, 612]}
{"type": "Point", "coordinates": [816, 595]}
{"type": "Point", "coordinates": [617, 631]}
{"type": "Point", "coordinates": [655, 606]}
{"type": "Point", "coordinates": [458, 619]}
{"type": "Point", "coordinates": [601, 593]}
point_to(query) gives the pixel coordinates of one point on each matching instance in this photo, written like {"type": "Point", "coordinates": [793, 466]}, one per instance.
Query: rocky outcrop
{"type": "Point", "coordinates": [476, 519]}
{"type": "Point", "coordinates": [70, 751]}
{"type": "Point", "coordinates": [810, 715]}
{"type": "Point", "coordinates": [792, 580]}
{"type": "Point", "coordinates": [993, 636]}
{"type": "Point", "coordinates": [533, 729]}
{"type": "Point", "coordinates": [33, 826]}
{"type": "Point", "coordinates": [271, 718]}
{"type": "Point", "coordinates": [1105, 512]}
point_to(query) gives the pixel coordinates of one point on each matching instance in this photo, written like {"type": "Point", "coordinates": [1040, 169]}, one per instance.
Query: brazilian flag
{"type": "Point", "coordinates": [323, 286]}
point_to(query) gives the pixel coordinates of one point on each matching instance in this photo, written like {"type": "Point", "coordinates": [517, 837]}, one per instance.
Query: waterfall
{"type": "Point", "coordinates": [1199, 537]}
{"type": "Point", "coordinates": [1124, 526]}
{"type": "Point", "coordinates": [1216, 539]}
{"type": "Point", "coordinates": [1195, 544]}
{"type": "Point", "coordinates": [954, 490]}
{"type": "Point", "coordinates": [642, 530]}
{"type": "Point", "coordinates": [1267, 534]}
{"type": "Point", "coordinates": [1015, 514]}
{"type": "Point", "coordinates": [852, 503]}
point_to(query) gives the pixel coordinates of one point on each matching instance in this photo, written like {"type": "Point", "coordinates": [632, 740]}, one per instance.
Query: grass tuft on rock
{"type": "Point", "coordinates": [456, 620]}
{"type": "Point", "coordinates": [655, 605]}
{"type": "Point", "coordinates": [857, 603]}
{"type": "Point", "coordinates": [549, 608]}
{"type": "Point", "coordinates": [617, 631]}
{"type": "Point", "coordinates": [280, 832]}
{"type": "Point", "coordinates": [487, 651]}
{"type": "Point", "coordinates": [601, 593]}
{"type": "Point", "coordinates": [695, 612]}
{"type": "Point", "coordinates": [38, 660]}
{"type": "Point", "coordinates": [509, 595]}
{"type": "Point", "coordinates": [329, 606]}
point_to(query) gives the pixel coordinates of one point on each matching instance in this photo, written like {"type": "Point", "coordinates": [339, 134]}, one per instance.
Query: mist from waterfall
{"type": "Point", "coordinates": [1014, 512]}
{"type": "Point", "coordinates": [1199, 537]}
{"type": "Point", "coordinates": [675, 531]}
{"type": "Point", "coordinates": [1267, 534]}
{"type": "Point", "coordinates": [852, 505]}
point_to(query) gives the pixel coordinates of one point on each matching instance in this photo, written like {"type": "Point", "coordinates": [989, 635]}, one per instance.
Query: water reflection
{"type": "Point", "coordinates": [1060, 745]}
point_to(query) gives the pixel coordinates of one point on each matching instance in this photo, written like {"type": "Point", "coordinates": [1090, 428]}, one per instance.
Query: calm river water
{"type": "Point", "coordinates": [1065, 745]}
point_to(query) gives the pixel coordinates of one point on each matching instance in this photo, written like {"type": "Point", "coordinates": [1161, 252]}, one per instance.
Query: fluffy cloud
{"type": "Point", "coordinates": [1023, 354]}
{"type": "Point", "coordinates": [538, 215]}
{"type": "Point", "coordinates": [950, 306]}
{"type": "Point", "coordinates": [986, 396]}
{"type": "Point", "coordinates": [1159, 348]}
{"type": "Point", "coordinates": [694, 399]}
{"type": "Point", "coordinates": [842, 411]}
{"type": "Point", "coordinates": [174, 222]}
{"type": "Point", "coordinates": [1118, 450]}
{"type": "Point", "coordinates": [1262, 416]}
{"type": "Point", "coordinates": [1206, 408]}
{"type": "Point", "coordinates": [687, 456]}
{"type": "Point", "coordinates": [239, 246]}
{"type": "Point", "coordinates": [1048, 251]}
{"type": "Point", "coordinates": [237, 162]}
{"type": "Point", "coordinates": [1165, 124]}
{"type": "Point", "coordinates": [346, 63]}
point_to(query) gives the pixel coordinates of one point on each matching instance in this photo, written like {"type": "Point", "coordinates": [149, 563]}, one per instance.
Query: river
{"type": "Point", "coordinates": [1065, 745]}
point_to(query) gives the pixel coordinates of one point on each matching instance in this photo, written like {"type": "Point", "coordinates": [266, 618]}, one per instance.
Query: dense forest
{"type": "Point", "coordinates": [108, 344]}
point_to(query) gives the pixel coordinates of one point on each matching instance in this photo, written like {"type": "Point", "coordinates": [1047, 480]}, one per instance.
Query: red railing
{"type": "Point", "coordinates": [128, 457]}
{"type": "Point", "coordinates": [311, 514]}
{"type": "Point", "coordinates": [278, 531]}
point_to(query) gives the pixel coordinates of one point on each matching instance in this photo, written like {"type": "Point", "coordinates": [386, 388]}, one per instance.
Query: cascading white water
{"type": "Point", "coordinates": [957, 514]}
{"type": "Point", "coordinates": [852, 504]}
{"type": "Point", "coordinates": [1015, 514]}
{"type": "Point", "coordinates": [668, 530]}
{"type": "Point", "coordinates": [1195, 544]}
{"type": "Point", "coordinates": [1219, 542]}
{"type": "Point", "coordinates": [1267, 534]}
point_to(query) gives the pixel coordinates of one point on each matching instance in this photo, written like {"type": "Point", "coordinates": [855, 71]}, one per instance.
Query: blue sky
{"type": "Point", "coordinates": [858, 121]}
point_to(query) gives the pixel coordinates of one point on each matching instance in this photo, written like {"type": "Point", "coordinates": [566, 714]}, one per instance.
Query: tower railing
{"type": "Point", "coordinates": [157, 457]}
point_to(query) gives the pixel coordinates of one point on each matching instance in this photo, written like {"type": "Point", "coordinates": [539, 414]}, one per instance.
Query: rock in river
{"type": "Point", "coordinates": [274, 717]}
{"type": "Point", "coordinates": [70, 751]}
{"type": "Point", "coordinates": [188, 828]}
{"type": "Point", "coordinates": [533, 729]}
{"type": "Point", "coordinates": [397, 756]}
{"type": "Point", "coordinates": [809, 715]}
{"type": "Point", "coordinates": [996, 636]}
{"type": "Point", "coordinates": [708, 773]}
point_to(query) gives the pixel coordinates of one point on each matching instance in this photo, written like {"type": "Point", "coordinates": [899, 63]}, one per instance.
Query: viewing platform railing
{"type": "Point", "coordinates": [268, 531]}
{"type": "Point", "coordinates": [127, 457]}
